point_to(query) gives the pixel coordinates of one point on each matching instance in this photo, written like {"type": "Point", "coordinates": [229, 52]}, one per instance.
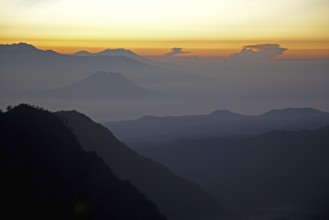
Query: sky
{"type": "Point", "coordinates": [151, 27]}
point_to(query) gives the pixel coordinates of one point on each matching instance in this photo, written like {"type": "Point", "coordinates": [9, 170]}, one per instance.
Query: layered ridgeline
{"type": "Point", "coordinates": [218, 123]}
{"type": "Point", "coordinates": [60, 68]}
{"type": "Point", "coordinates": [175, 196]}
{"type": "Point", "coordinates": [47, 175]}
{"type": "Point", "coordinates": [275, 175]}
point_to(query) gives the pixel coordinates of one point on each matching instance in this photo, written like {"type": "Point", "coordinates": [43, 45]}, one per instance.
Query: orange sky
{"type": "Point", "coordinates": [196, 48]}
{"type": "Point", "coordinates": [152, 27]}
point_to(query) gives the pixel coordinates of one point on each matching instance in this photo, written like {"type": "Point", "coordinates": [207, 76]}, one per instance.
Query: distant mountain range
{"type": "Point", "coordinates": [115, 52]}
{"type": "Point", "coordinates": [217, 123]}
{"type": "Point", "coordinates": [275, 175]}
{"type": "Point", "coordinates": [45, 174]}
{"type": "Point", "coordinates": [23, 51]}
{"type": "Point", "coordinates": [56, 69]}
{"type": "Point", "coordinates": [176, 197]}
{"type": "Point", "coordinates": [103, 85]}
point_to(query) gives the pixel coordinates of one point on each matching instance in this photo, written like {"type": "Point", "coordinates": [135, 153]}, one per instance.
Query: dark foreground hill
{"type": "Point", "coordinates": [45, 174]}
{"type": "Point", "coordinates": [276, 175]}
{"type": "Point", "coordinates": [175, 196]}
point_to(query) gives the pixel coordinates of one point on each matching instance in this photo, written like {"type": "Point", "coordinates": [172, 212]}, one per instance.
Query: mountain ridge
{"type": "Point", "coordinates": [114, 52]}
{"type": "Point", "coordinates": [175, 196]}
{"type": "Point", "coordinates": [293, 112]}
{"type": "Point", "coordinates": [47, 175]}
{"type": "Point", "coordinates": [273, 175]}
{"type": "Point", "coordinates": [217, 123]}
{"type": "Point", "coordinates": [37, 63]}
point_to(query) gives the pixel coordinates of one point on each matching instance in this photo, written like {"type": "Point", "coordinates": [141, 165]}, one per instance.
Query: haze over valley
{"type": "Point", "coordinates": [164, 110]}
{"type": "Point", "coordinates": [244, 86]}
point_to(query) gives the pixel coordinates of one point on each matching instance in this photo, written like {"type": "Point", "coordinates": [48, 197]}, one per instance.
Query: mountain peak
{"type": "Point", "coordinates": [109, 52]}
{"type": "Point", "coordinates": [108, 78]}
{"type": "Point", "coordinates": [23, 49]}
{"type": "Point", "coordinates": [19, 46]}
{"type": "Point", "coordinates": [294, 113]}
{"type": "Point", "coordinates": [117, 50]}
{"type": "Point", "coordinates": [113, 52]}
{"type": "Point", "coordinates": [82, 53]}
{"type": "Point", "coordinates": [223, 112]}
{"type": "Point", "coordinates": [23, 44]}
{"type": "Point", "coordinates": [104, 85]}
{"type": "Point", "coordinates": [106, 74]}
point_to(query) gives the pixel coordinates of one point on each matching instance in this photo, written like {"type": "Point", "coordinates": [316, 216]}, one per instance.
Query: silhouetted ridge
{"type": "Point", "coordinates": [119, 52]}
{"type": "Point", "coordinates": [175, 196]}
{"type": "Point", "coordinates": [114, 52]}
{"type": "Point", "coordinates": [218, 123]}
{"type": "Point", "coordinates": [19, 46]}
{"type": "Point", "coordinates": [47, 175]}
{"type": "Point", "coordinates": [36, 64]}
{"type": "Point", "coordinates": [225, 113]}
{"type": "Point", "coordinates": [20, 50]}
{"type": "Point", "coordinates": [278, 173]}
{"type": "Point", "coordinates": [82, 53]}
{"type": "Point", "coordinates": [294, 113]}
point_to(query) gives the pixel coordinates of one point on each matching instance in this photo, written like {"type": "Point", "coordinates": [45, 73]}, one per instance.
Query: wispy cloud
{"type": "Point", "coordinates": [34, 2]}
{"type": "Point", "coordinates": [175, 51]}
{"type": "Point", "coordinates": [259, 52]}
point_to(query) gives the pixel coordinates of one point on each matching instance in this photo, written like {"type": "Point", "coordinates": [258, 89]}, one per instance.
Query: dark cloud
{"type": "Point", "coordinates": [259, 52]}
{"type": "Point", "coordinates": [175, 51]}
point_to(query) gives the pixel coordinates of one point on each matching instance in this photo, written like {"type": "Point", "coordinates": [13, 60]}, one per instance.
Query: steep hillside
{"type": "Point", "coordinates": [47, 175]}
{"type": "Point", "coordinates": [175, 196]}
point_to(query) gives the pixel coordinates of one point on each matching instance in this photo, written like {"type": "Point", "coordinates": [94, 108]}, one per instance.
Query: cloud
{"type": "Point", "coordinates": [35, 2]}
{"type": "Point", "coordinates": [259, 52]}
{"type": "Point", "coordinates": [175, 51]}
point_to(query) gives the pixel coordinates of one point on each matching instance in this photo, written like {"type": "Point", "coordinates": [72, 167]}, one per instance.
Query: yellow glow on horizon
{"type": "Point", "coordinates": [205, 26]}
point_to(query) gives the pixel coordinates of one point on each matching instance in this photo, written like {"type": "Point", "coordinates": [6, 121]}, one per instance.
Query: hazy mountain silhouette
{"type": "Point", "coordinates": [83, 53]}
{"type": "Point", "coordinates": [293, 113]}
{"type": "Point", "coordinates": [276, 175]}
{"type": "Point", "coordinates": [23, 51]}
{"type": "Point", "coordinates": [115, 52]}
{"type": "Point", "coordinates": [217, 123]}
{"type": "Point", "coordinates": [103, 85]}
{"type": "Point", "coordinates": [175, 196]}
{"type": "Point", "coordinates": [47, 175]}
{"type": "Point", "coordinates": [36, 63]}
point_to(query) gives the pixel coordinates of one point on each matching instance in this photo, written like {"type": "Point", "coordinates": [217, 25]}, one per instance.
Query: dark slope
{"type": "Point", "coordinates": [47, 175]}
{"type": "Point", "coordinates": [217, 123]}
{"type": "Point", "coordinates": [175, 196]}
{"type": "Point", "coordinates": [281, 173]}
{"type": "Point", "coordinates": [103, 85]}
